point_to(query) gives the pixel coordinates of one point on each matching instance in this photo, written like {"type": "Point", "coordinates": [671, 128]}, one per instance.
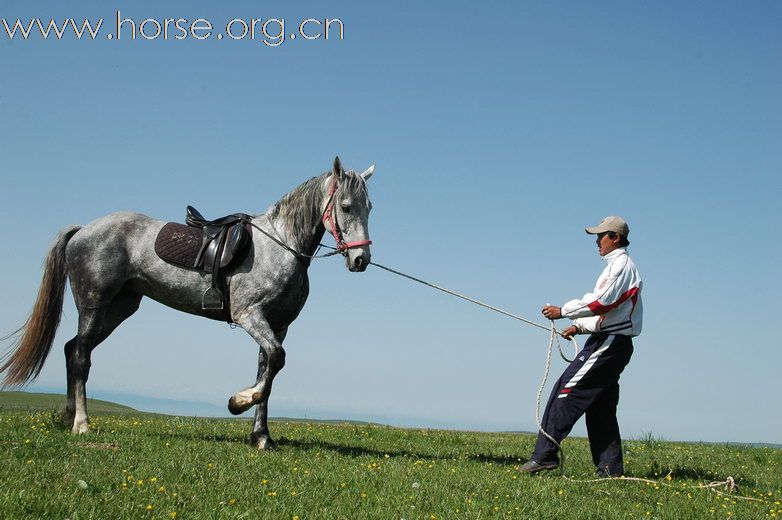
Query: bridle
{"type": "Point", "coordinates": [330, 222]}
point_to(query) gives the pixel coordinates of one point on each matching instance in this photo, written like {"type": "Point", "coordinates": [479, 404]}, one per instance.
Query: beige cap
{"type": "Point", "coordinates": [615, 224]}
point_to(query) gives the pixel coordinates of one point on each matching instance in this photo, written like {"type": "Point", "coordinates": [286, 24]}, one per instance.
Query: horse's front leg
{"type": "Point", "coordinates": [271, 359]}
{"type": "Point", "coordinates": [260, 437]}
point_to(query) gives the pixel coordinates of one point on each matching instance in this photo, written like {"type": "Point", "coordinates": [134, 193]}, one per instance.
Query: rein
{"type": "Point", "coordinates": [302, 257]}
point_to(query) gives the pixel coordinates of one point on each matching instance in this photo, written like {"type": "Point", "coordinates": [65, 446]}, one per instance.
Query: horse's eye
{"type": "Point", "coordinates": [345, 208]}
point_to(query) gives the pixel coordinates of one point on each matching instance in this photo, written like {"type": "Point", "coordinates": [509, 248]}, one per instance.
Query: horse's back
{"type": "Point", "coordinates": [105, 248]}
{"type": "Point", "coordinates": [115, 230]}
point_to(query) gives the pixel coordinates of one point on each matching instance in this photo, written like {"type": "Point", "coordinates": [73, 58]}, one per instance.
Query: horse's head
{"type": "Point", "coordinates": [346, 215]}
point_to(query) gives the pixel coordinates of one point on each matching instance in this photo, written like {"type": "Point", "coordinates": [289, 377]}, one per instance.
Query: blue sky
{"type": "Point", "coordinates": [499, 131]}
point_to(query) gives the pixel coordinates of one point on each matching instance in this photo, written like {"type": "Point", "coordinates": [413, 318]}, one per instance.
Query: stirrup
{"type": "Point", "coordinates": [212, 299]}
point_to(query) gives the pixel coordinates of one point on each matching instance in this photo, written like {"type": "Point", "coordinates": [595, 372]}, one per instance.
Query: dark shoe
{"type": "Point", "coordinates": [534, 467]}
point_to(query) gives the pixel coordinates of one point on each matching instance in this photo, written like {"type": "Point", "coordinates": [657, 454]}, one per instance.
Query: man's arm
{"type": "Point", "coordinates": [582, 326]}
{"type": "Point", "coordinates": [613, 292]}
{"type": "Point", "coordinates": [579, 307]}
{"type": "Point", "coordinates": [587, 325]}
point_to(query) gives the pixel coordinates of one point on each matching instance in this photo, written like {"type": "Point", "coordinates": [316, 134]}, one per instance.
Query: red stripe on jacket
{"type": "Point", "coordinates": [598, 308]}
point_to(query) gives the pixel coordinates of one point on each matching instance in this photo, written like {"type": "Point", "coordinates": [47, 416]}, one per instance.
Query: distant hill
{"type": "Point", "coordinates": [52, 401]}
{"type": "Point", "coordinates": [324, 421]}
{"type": "Point", "coordinates": [36, 401]}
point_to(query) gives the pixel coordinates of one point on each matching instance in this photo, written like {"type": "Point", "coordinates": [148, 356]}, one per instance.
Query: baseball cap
{"type": "Point", "coordinates": [612, 223]}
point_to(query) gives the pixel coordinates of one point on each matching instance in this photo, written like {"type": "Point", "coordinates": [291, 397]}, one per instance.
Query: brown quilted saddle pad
{"type": "Point", "coordinates": [179, 244]}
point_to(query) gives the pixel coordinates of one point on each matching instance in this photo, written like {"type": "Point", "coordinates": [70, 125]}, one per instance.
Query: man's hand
{"type": "Point", "coordinates": [552, 312]}
{"type": "Point", "coordinates": [569, 332]}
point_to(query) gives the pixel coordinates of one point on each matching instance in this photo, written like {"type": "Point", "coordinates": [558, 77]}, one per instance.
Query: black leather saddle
{"type": "Point", "coordinates": [212, 246]}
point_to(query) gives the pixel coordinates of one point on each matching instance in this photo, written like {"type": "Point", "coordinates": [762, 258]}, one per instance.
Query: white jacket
{"type": "Point", "coordinates": [615, 304]}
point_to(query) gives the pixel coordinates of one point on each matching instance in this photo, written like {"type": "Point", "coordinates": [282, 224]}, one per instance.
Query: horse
{"type": "Point", "coordinates": [111, 264]}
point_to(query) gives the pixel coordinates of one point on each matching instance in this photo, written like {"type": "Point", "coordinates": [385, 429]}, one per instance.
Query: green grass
{"type": "Point", "coordinates": [147, 466]}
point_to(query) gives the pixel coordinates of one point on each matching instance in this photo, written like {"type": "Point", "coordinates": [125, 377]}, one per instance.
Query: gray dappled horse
{"type": "Point", "coordinates": [112, 265]}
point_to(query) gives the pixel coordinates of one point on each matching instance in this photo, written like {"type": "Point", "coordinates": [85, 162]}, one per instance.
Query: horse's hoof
{"type": "Point", "coordinates": [266, 444]}
{"type": "Point", "coordinates": [263, 442]}
{"type": "Point", "coordinates": [80, 428]}
{"type": "Point", "coordinates": [234, 408]}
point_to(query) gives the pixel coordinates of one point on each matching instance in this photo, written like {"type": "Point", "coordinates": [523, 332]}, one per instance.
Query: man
{"type": "Point", "coordinates": [612, 315]}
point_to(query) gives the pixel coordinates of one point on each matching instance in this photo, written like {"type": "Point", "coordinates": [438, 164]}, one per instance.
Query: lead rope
{"type": "Point", "coordinates": [485, 305]}
{"type": "Point", "coordinates": [554, 337]}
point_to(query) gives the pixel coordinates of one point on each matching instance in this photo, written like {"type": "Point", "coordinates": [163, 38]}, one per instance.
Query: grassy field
{"type": "Point", "coordinates": [151, 466]}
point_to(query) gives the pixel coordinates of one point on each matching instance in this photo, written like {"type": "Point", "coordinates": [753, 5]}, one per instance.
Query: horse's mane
{"type": "Point", "coordinates": [300, 211]}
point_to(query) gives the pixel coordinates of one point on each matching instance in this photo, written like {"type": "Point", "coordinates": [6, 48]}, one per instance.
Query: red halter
{"type": "Point", "coordinates": [330, 222]}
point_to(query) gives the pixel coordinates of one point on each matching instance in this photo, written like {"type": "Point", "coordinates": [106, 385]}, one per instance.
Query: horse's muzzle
{"type": "Point", "coordinates": [359, 262]}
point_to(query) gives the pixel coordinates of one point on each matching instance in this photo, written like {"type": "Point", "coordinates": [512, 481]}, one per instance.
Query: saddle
{"type": "Point", "coordinates": [211, 246]}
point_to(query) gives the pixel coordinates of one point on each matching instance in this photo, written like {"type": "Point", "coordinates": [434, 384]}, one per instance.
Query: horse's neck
{"type": "Point", "coordinates": [304, 232]}
{"type": "Point", "coordinates": [309, 246]}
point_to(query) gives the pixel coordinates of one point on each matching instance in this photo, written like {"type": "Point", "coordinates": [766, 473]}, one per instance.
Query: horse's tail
{"type": "Point", "coordinates": [24, 360]}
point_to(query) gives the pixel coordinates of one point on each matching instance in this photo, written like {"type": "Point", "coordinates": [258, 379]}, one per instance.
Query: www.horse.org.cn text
{"type": "Point", "coordinates": [268, 31]}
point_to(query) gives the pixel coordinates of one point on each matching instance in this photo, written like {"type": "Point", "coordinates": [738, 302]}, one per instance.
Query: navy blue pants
{"type": "Point", "coordinates": [589, 385]}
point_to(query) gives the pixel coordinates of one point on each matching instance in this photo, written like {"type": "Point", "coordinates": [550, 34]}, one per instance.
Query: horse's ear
{"type": "Point", "coordinates": [339, 171]}
{"type": "Point", "coordinates": [368, 173]}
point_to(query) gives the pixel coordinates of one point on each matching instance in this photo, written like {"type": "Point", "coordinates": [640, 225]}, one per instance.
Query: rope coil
{"type": "Point", "coordinates": [551, 341]}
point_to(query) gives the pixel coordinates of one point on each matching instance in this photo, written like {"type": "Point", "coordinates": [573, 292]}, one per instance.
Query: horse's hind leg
{"type": "Point", "coordinates": [95, 325]}
{"type": "Point", "coordinates": [78, 364]}
{"type": "Point", "coordinates": [69, 412]}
